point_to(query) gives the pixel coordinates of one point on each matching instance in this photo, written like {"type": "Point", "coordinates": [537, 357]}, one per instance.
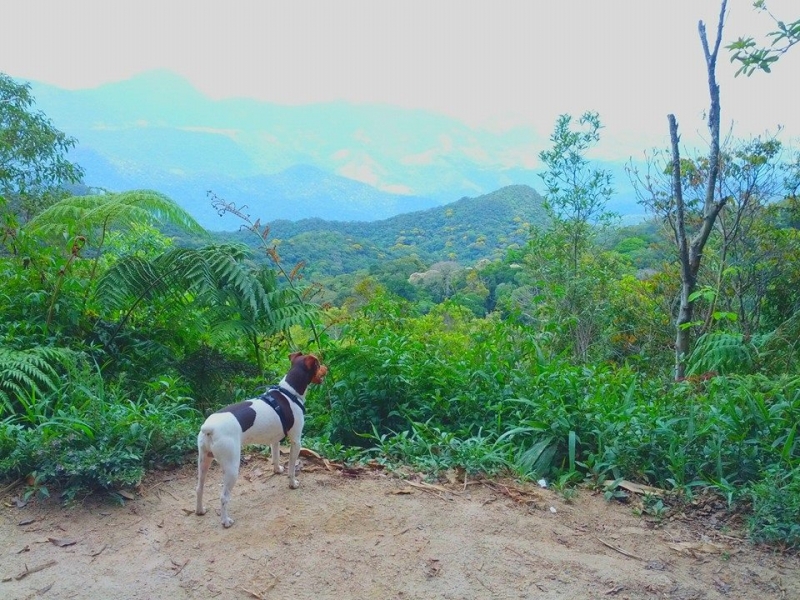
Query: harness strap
{"type": "Point", "coordinates": [290, 396]}
{"type": "Point", "coordinates": [276, 397]}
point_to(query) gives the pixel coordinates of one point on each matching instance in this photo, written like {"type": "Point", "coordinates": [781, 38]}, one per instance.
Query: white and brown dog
{"type": "Point", "coordinates": [276, 414]}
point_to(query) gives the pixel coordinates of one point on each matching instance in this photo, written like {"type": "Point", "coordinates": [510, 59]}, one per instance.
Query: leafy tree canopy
{"type": "Point", "coordinates": [752, 56]}
{"type": "Point", "coordinates": [33, 162]}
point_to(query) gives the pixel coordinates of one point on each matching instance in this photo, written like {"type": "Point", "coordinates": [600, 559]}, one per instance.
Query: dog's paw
{"type": "Point", "coordinates": [277, 469]}
{"type": "Point", "coordinates": [201, 511]}
{"type": "Point", "coordinates": [227, 522]}
{"type": "Point", "coordinates": [294, 484]}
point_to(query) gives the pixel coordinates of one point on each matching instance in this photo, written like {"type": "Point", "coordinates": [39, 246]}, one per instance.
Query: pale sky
{"type": "Point", "coordinates": [490, 63]}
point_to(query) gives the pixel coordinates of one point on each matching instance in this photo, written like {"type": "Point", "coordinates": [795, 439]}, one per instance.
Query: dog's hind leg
{"type": "Point", "coordinates": [276, 457]}
{"type": "Point", "coordinates": [230, 472]}
{"type": "Point", "coordinates": [204, 458]}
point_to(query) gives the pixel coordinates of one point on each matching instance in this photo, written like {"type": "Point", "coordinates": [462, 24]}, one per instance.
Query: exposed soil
{"type": "Point", "coordinates": [367, 534]}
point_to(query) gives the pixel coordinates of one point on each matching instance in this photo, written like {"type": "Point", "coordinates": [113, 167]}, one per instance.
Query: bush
{"type": "Point", "coordinates": [100, 443]}
{"type": "Point", "coordinates": [776, 508]}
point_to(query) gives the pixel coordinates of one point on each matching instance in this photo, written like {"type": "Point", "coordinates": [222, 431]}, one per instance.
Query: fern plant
{"type": "Point", "coordinates": [240, 298]}
{"type": "Point", "coordinates": [725, 353]}
{"type": "Point", "coordinates": [302, 294]}
{"type": "Point", "coordinates": [92, 216]}
{"type": "Point", "coordinates": [86, 221]}
{"type": "Point", "coordinates": [26, 373]}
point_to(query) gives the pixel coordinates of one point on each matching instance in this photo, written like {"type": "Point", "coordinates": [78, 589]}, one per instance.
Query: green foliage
{"type": "Point", "coordinates": [92, 439]}
{"type": "Point", "coordinates": [31, 373]}
{"type": "Point", "coordinates": [727, 353]}
{"type": "Point", "coordinates": [447, 365]}
{"type": "Point", "coordinates": [433, 450]}
{"type": "Point", "coordinates": [576, 194]}
{"type": "Point", "coordinates": [92, 216]}
{"type": "Point", "coordinates": [466, 231]}
{"type": "Point", "coordinates": [776, 508]}
{"type": "Point", "coordinates": [751, 56]}
{"type": "Point", "coordinates": [33, 163]}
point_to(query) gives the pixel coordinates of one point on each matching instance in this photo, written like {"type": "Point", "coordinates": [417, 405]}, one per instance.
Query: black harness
{"type": "Point", "coordinates": [276, 397]}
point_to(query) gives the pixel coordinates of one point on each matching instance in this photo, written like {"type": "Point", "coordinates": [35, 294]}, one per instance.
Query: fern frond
{"type": "Point", "coordinates": [128, 280]}
{"type": "Point", "coordinates": [722, 352]}
{"type": "Point", "coordinates": [86, 214]}
{"type": "Point", "coordinates": [26, 372]}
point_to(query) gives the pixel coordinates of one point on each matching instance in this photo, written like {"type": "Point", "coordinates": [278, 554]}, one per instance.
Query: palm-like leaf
{"type": "Point", "coordinates": [92, 215]}
{"type": "Point", "coordinates": [26, 372]}
{"type": "Point", "coordinates": [240, 297]}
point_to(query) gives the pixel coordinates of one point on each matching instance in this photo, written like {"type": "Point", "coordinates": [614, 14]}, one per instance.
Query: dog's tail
{"type": "Point", "coordinates": [205, 438]}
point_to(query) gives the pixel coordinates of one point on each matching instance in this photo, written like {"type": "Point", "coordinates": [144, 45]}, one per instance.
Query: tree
{"type": "Point", "coordinates": [690, 219]}
{"type": "Point", "coordinates": [575, 198]}
{"type": "Point", "coordinates": [576, 195]}
{"type": "Point", "coordinates": [751, 56]}
{"type": "Point", "coordinates": [33, 163]}
{"type": "Point", "coordinates": [691, 248]}
{"type": "Point", "coordinates": [749, 179]}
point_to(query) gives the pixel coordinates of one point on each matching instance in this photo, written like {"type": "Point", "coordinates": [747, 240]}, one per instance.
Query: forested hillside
{"type": "Point", "coordinates": [464, 231]}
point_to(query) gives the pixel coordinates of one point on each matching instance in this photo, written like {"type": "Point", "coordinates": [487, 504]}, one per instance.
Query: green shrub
{"type": "Point", "coordinates": [776, 508]}
{"type": "Point", "coordinates": [101, 441]}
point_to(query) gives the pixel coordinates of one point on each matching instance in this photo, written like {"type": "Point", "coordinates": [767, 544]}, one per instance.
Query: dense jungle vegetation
{"type": "Point", "coordinates": [469, 337]}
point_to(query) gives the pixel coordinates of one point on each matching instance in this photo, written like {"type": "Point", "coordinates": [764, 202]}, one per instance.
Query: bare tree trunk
{"type": "Point", "coordinates": [691, 251]}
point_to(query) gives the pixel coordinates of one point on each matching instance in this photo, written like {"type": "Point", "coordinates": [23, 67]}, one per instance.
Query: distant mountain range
{"type": "Point", "coordinates": [334, 161]}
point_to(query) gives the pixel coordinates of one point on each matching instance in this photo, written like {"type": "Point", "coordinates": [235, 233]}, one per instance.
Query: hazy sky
{"type": "Point", "coordinates": [491, 63]}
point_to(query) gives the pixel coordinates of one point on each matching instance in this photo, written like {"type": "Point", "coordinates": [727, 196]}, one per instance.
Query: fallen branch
{"type": "Point", "coordinates": [261, 596]}
{"type": "Point", "coordinates": [180, 566]}
{"type": "Point", "coordinates": [618, 549]}
{"type": "Point", "coordinates": [10, 487]}
{"type": "Point", "coordinates": [28, 571]}
{"type": "Point", "coordinates": [252, 593]}
{"type": "Point", "coordinates": [429, 487]}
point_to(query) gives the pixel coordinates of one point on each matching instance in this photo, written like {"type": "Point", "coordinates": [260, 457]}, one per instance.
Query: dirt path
{"type": "Point", "coordinates": [369, 535]}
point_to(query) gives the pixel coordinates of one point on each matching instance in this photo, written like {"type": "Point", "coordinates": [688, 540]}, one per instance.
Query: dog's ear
{"type": "Point", "coordinates": [294, 355]}
{"type": "Point", "coordinates": [312, 362]}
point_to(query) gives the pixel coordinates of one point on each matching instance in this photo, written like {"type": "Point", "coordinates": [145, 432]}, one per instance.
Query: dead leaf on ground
{"type": "Point", "coordinates": [402, 492]}
{"type": "Point", "coordinates": [178, 567]}
{"type": "Point", "coordinates": [352, 471]}
{"type": "Point", "coordinates": [18, 502]}
{"type": "Point", "coordinates": [309, 453]}
{"type": "Point", "coordinates": [62, 542]}
{"type": "Point", "coordinates": [516, 494]}
{"type": "Point", "coordinates": [26, 522]}
{"type": "Point", "coordinates": [254, 475]}
{"type": "Point", "coordinates": [433, 567]}
{"type": "Point", "coordinates": [126, 494]}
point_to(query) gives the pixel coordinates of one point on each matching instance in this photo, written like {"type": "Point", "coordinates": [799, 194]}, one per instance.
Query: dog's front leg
{"type": "Point", "coordinates": [276, 458]}
{"type": "Point", "coordinates": [294, 452]}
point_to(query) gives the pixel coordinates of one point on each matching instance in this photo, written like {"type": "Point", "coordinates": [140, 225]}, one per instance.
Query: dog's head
{"type": "Point", "coordinates": [309, 364]}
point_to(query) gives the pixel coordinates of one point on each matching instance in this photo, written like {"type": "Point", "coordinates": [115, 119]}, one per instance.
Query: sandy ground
{"type": "Point", "coordinates": [364, 533]}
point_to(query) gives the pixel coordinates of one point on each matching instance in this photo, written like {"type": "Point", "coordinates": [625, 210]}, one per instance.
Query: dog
{"type": "Point", "coordinates": [276, 414]}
